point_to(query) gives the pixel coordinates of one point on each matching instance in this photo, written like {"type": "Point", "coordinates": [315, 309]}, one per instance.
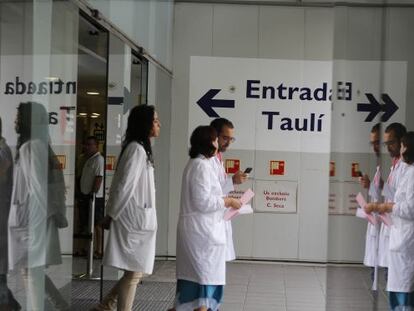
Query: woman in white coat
{"type": "Point", "coordinates": [130, 210]}
{"type": "Point", "coordinates": [400, 283]}
{"type": "Point", "coordinates": [37, 207]}
{"type": "Point", "coordinates": [201, 231]}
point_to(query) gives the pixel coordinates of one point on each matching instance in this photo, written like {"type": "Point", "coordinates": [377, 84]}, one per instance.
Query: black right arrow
{"type": "Point", "coordinates": [373, 107]}
{"type": "Point", "coordinates": [389, 107]}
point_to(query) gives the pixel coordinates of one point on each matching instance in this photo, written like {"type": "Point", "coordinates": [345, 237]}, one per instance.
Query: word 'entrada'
{"type": "Point", "coordinates": [18, 87]}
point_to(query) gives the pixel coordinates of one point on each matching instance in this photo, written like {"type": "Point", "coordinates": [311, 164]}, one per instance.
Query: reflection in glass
{"type": "Point", "coordinates": [38, 208]}
{"type": "Point", "coordinates": [7, 299]}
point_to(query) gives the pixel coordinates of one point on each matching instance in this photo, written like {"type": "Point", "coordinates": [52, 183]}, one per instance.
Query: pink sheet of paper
{"type": "Point", "coordinates": [229, 214]}
{"type": "Point", "coordinates": [361, 202]}
{"type": "Point", "coordinates": [386, 219]}
{"type": "Point", "coordinates": [245, 198]}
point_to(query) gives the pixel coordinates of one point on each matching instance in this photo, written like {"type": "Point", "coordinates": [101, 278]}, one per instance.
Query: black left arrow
{"type": "Point", "coordinates": [207, 103]}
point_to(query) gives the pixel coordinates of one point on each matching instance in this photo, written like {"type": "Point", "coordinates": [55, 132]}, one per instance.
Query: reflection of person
{"type": "Point", "coordinates": [392, 140]}
{"type": "Point", "coordinates": [91, 183]}
{"type": "Point", "coordinates": [225, 132]}
{"type": "Point", "coordinates": [7, 301]}
{"type": "Point", "coordinates": [131, 210]}
{"type": "Point", "coordinates": [374, 192]}
{"type": "Point", "coordinates": [37, 207]}
{"type": "Point", "coordinates": [400, 283]}
{"type": "Point", "coordinates": [201, 230]}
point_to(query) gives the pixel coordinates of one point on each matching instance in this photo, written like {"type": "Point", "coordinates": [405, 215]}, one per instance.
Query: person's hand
{"type": "Point", "coordinates": [239, 177]}
{"type": "Point", "coordinates": [364, 181]}
{"type": "Point", "coordinates": [385, 208]}
{"type": "Point", "coordinates": [232, 202]}
{"type": "Point", "coordinates": [106, 222]}
{"type": "Point", "coordinates": [235, 203]}
{"type": "Point", "coordinates": [371, 207]}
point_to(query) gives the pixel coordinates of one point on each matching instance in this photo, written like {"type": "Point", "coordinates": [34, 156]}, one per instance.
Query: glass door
{"type": "Point", "coordinates": [90, 148]}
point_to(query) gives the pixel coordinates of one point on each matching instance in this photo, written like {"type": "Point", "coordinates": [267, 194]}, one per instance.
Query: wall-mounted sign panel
{"type": "Point", "coordinates": [275, 196]}
{"type": "Point", "coordinates": [286, 105]}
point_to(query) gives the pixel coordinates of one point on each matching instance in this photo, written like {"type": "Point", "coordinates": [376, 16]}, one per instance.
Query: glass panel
{"type": "Point", "coordinates": [38, 76]}
{"type": "Point", "coordinates": [147, 22]}
{"type": "Point", "coordinates": [118, 107]}
{"type": "Point", "coordinates": [90, 148]}
{"type": "Point", "coordinates": [127, 87]}
{"type": "Point", "coordinates": [371, 74]}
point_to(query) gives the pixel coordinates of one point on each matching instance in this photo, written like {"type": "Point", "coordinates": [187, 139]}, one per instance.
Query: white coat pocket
{"type": "Point", "coordinates": [401, 237]}
{"type": "Point", "coordinates": [139, 219]}
{"type": "Point", "coordinates": [149, 219]}
{"type": "Point", "coordinates": [19, 215]}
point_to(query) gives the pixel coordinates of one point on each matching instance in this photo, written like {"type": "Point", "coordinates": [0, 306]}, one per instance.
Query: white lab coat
{"type": "Point", "coordinates": [226, 183]}
{"type": "Point", "coordinates": [392, 182]}
{"type": "Point", "coordinates": [201, 230]}
{"type": "Point", "coordinates": [131, 205]}
{"type": "Point", "coordinates": [33, 233]}
{"type": "Point", "coordinates": [374, 193]}
{"type": "Point", "coordinates": [401, 246]}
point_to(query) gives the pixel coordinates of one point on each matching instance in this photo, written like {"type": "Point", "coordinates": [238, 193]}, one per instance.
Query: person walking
{"type": "Point", "coordinates": [131, 214]}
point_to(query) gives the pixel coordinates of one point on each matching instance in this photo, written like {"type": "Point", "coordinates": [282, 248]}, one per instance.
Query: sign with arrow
{"type": "Point", "coordinates": [374, 107]}
{"type": "Point", "coordinates": [289, 105]}
{"type": "Point", "coordinates": [207, 103]}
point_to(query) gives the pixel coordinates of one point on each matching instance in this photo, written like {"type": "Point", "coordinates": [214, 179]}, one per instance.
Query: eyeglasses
{"type": "Point", "coordinates": [389, 143]}
{"type": "Point", "coordinates": [374, 143]}
{"type": "Point", "coordinates": [228, 138]}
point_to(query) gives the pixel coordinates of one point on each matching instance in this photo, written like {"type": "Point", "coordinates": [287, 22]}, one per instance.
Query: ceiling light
{"type": "Point", "coordinates": [95, 114]}
{"type": "Point", "coordinates": [92, 93]}
{"type": "Point", "coordinates": [52, 79]}
{"type": "Point", "coordinates": [83, 114]}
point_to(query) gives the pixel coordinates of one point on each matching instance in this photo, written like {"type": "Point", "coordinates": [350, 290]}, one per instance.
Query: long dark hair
{"type": "Point", "coordinates": [32, 123]}
{"type": "Point", "coordinates": [140, 124]}
{"type": "Point", "coordinates": [408, 141]}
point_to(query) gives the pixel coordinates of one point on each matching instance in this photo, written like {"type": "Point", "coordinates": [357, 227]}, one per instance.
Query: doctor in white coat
{"type": "Point", "coordinates": [374, 192]}
{"type": "Point", "coordinates": [130, 210]}
{"type": "Point", "coordinates": [225, 133]}
{"type": "Point", "coordinates": [37, 209]}
{"type": "Point", "coordinates": [400, 283]}
{"type": "Point", "coordinates": [201, 230]}
{"type": "Point", "coordinates": [392, 140]}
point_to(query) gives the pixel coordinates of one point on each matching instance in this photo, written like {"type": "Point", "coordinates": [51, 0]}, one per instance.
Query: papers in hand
{"type": "Point", "coordinates": [245, 209]}
{"type": "Point", "coordinates": [361, 212]}
{"type": "Point", "coordinates": [247, 196]}
{"type": "Point", "coordinates": [386, 219]}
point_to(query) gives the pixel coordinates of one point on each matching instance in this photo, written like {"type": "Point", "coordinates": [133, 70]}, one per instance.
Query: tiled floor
{"type": "Point", "coordinates": [250, 287]}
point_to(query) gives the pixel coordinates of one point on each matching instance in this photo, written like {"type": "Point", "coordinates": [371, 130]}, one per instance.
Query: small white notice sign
{"type": "Point", "coordinates": [275, 196]}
